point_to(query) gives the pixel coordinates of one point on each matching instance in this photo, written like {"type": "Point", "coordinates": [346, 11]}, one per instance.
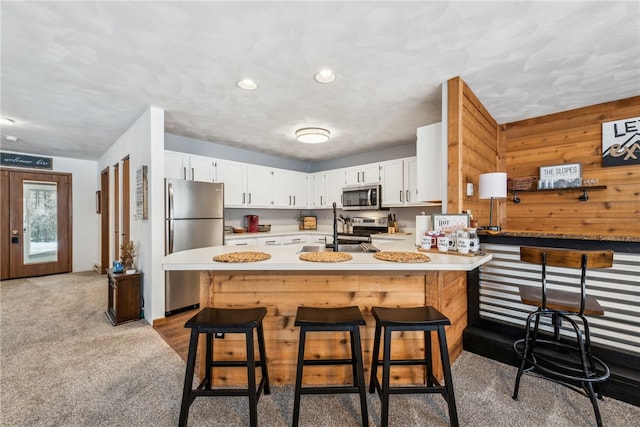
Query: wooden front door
{"type": "Point", "coordinates": [37, 230]}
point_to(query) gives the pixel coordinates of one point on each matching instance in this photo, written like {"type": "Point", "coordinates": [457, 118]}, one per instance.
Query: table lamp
{"type": "Point", "coordinates": [492, 186]}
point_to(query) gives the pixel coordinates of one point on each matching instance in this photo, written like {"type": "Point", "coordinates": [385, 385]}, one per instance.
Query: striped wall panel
{"type": "Point", "coordinates": [616, 288]}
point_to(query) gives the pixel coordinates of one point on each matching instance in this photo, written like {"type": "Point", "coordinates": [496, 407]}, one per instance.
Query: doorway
{"type": "Point", "coordinates": [36, 223]}
{"type": "Point", "coordinates": [104, 220]}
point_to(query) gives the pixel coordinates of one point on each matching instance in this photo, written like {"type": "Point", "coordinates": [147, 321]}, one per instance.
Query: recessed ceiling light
{"type": "Point", "coordinates": [247, 84]}
{"type": "Point", "coordinates": [6, 121]}
{"type": "Point", "coordinates": [312, 135]}
{"type": "Point", "coordinates": [324, 76]}
{"type": "Point", "coordinates": [11, 138]}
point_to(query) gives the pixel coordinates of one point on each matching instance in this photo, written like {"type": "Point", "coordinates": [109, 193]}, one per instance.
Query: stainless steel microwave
{"type": "Point", "coordinates": [361, 197]}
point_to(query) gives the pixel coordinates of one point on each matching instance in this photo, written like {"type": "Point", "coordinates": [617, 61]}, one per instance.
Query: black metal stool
{"type": "Point", "coordinates": [210, 321]}
{"type": "Point", "coordinates": [347, 319]}
{"type": "Point", "coordinates": [567, 359]}
{"type": "Point", "coordinates": [425, 319]}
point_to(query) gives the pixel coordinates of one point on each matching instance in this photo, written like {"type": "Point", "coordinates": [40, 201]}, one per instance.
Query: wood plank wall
{"type": "Point", "coordinates": [476, 145]}
{"type": "Point", "coordinates": [573, 136]}
{"type": "Point", "coordinates": [472, 150]}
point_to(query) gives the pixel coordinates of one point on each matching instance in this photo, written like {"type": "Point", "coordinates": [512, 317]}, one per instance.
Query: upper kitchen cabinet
{"type": "Point", "coordinates": [289, 189]}
{"type": "Point", "coordinates": [363, 174]}
{"type": "Point", "coordinates": [259, 187]}
{"type": "Point", "coordinates": [234, 177]}
{"type": "Point", "coordinates": [327, 188]}
{"type": "Point", "coordinates": [400, 186]}
{"type": "Point", "coordinates": [432, 166]}
{"type": "Point", "coordinates": [188, 167]}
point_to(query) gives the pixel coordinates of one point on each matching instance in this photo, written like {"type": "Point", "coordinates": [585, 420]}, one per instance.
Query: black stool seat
{"type": "Point", "coordinates": [314, 319]}
{"type": "Point", "coordinates": [210, 321]}
{"type": "Point", "coordinates": [425, 319]}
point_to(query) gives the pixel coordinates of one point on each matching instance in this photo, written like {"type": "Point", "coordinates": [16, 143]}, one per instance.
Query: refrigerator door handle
{"type": "Point", "coordinates": [170, 236]}
{"type": "Point", "coordinates": [170, 201]}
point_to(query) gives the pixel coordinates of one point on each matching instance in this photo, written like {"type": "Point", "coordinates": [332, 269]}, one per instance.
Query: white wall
{"type": "Point", "coordinates": [143, 142]}
{"type": "Point", "coordinates": [86, 222]}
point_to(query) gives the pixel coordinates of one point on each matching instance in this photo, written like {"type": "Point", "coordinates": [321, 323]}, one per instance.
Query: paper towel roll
{"type": "Point", "coordinates": [423, 223]}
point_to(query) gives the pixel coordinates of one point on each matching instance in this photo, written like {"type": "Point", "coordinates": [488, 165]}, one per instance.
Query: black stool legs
{"type": "Point", "coordinates": [425, 319]}
{"type": "Point", "coordinates": [331, 319]}
{"type": "Point", "coordinates": [210, 321]}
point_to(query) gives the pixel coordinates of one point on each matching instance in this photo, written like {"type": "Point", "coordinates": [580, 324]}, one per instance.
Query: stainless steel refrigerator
{"type": "Point", "coordinates": [194, 218]}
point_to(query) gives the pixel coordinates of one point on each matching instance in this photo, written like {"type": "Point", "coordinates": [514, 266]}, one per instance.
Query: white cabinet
{"type": "Point", "coordinates": [400, 184]}
{"type": "Point", "coordinates": [363, 174]}
{"type": "Point", "coordinates": [432, 163]}
{"type": "Point", "coordinates": [334, 182]}
{"type": "Point", "coordinates": [241, 242]}
{"type": "Point", "coordinates": [259, 187]}
{"type": "Point", "coordinates": [234, 177]}
{"type": "Point", "coordinates": [185, 166]}
{"type": "Point", "coordinates": [269, 241]}
{"type": "Point", "coordinates": [289, 189]}
{"type": "Point", "coordinates": [294, 240]}
{"type": "Point", "coordinates": [327, 188]}
{"type": "Point", "coordinates": [393, 183]}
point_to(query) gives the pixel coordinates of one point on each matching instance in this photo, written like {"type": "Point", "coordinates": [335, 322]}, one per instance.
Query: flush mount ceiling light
{"type": "Point", "coordinates": [324, 76]}
{"type": "Point", "coordinates": [247, 84]}
{"type": "Point", "coordinates": [6, 121]}
{"type": "Point", "coordinates": [312, 135]}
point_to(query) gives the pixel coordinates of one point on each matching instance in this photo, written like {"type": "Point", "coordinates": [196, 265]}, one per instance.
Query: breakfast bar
{"type": "Point", "coordinates": [284, 281]}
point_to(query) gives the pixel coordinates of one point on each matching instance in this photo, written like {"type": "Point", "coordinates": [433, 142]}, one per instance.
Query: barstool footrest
{"type": "Point", "coordinates": [405, 362]}
{"type": "Point", "coordinates": [329, 390]}
{"type": "Point", "coordinates": [320, 362]}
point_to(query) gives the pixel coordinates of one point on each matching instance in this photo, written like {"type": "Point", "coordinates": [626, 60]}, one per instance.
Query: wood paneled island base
{"type": "Point", "coordinates": [281, 292]}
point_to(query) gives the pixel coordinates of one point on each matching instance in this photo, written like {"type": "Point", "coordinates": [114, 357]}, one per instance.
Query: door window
{"type": "Point", "coordinates": [40, 221]}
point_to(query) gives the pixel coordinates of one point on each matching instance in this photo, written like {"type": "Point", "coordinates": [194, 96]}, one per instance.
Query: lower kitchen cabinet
{"type": "Point", "coordinates": [125, 297]}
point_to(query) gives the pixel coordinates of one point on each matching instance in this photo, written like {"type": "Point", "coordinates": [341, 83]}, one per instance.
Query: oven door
{"type": "Point", "coordinates": [361, 198]}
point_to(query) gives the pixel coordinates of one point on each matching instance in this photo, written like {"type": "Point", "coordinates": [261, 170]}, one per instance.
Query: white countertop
{"type": "Point", "coordinates": [286, 258]}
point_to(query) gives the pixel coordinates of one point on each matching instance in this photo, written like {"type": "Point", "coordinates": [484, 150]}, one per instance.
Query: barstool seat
{"type": "Point", "coordinates": [314, 319]}
{"type": "Point", "coordinates": [425, 319]}
{"type": "Point", "coordinates": [210, 321]}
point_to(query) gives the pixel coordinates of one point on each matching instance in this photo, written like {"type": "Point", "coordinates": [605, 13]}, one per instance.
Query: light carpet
{"type": "Point", "coordinates": [63, 364]}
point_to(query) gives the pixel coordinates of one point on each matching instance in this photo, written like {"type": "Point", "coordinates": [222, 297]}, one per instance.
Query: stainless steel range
{"type": "Point", "coordinates": [363, 228]}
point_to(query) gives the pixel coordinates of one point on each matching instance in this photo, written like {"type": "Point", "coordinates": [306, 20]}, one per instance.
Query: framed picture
{"type": "Point", "coordinates": [310, 223]}
{"type": "Point", "coordinates": [442, 221]}
{"type": "Point", "coordinates": [142, 191]}
{"type": "Point", "coordinates": [560, 176]}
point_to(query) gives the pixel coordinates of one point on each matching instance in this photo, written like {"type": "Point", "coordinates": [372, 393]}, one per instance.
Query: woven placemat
{"type": "Point", "coordinates": [402, 257]}
{"type": "Point", "coordinates": [242, 257]}
{"type": "Point", "coordinates": [325, 256]}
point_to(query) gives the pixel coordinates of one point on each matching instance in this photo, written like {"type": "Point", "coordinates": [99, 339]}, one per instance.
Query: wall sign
{"type": "Point", "coordinates": [142, 193]}
{"type": "Point", "coordinates": [442, 221]}
{"type": "Point", "coordinates": [561, 176]}
{"type": "Point", "coordinates": [23, 161]}
{"type": "Point", "coordinates": [621, 142]}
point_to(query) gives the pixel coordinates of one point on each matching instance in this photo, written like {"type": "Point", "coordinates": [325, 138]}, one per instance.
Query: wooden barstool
{"type": "Point", "coordinates": [210, 321]}
{"type": "Point", "coordinates": [313, 319]}
{"type": "Point", "coordinates": [568, 360]}
{"type": "Point", "coordinates": [426, 319]}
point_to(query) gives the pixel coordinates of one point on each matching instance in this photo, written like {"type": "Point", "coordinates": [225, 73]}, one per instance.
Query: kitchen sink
{"type": "Point", "coordinates": [345, 247]}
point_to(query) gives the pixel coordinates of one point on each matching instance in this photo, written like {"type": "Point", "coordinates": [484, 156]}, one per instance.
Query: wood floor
{"type": "Point", "coordinates": [174, 332]}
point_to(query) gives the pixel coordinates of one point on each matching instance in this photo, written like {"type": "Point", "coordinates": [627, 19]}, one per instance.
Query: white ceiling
{"type": "Point", "coordinates": [75, 75]}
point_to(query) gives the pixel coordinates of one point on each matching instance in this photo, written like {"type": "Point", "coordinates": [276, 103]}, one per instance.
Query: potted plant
{"type": "Point", "coordinates": [128, 254]}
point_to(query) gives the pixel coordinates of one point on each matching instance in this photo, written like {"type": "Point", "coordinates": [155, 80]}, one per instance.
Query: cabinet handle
{"type": "Point", "coordinates": [363, 177]}
{"type": "Point", "coordinates": [401, 196]}
{"type": "Point", "coordinates": [408, 196]}
{"type": "Point", "coordinates": [358, 179]}
{"type": "Point", "coordinates": [249, 198]}
{"type": "Point", "coordinates": [192, 174]}
{"type": "Point", "coordinates": [244, 198]}
{"type": "Point", "coordinates": [289, 200]}
{"type": "Point", "coordinates": [294, 200]}
{"type": "Point", "coordinates": [320, 200]}
{"type": "Point", "coordinates": [184, 173]}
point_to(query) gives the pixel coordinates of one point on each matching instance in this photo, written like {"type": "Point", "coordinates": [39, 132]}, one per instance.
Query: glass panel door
{"type": "Point", "coordinates": [40, 221]}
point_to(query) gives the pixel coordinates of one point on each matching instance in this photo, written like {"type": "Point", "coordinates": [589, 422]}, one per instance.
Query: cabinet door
{"type": "Point", "coordinates": [319, 198]}
{"type": "Point", "coordinates": [175, 165]}
{"type": "Point", "coordinates": [282, 197]}
{"type": "Point", "coordinates": [393, 183]}
{"type": "Point", "coordinates": [334, 183]}
{"type": "Point", "coordinates": [259, 187]}
{"type": "Point", "coordinates": [298, 189]}
{"type": "Point", "coordinates": [270, 241]}
{"type": "Point", "coordinates": [201, 169]}
{"type": "Point", "coordinates": [432, 168]}
{"type": "Point", "coordinates": [233, 175]}
{"type": "Point", "coordinates": [241, 242]}
{"type": "Point", "coordinates": [363, 174]}
{"type": "Point", "coordinates": [411, 181]}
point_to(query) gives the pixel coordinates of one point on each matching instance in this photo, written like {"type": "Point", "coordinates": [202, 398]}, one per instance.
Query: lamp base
{"type": "Point", "coordinates": [490, 227]}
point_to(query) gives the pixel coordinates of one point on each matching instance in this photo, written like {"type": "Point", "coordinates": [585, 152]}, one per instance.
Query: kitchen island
{"type": "Point", "coordinates": [284, 282]}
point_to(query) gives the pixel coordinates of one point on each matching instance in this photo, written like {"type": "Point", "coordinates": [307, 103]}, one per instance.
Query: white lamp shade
{"type": "Point", "coordinates": [492, 185]}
